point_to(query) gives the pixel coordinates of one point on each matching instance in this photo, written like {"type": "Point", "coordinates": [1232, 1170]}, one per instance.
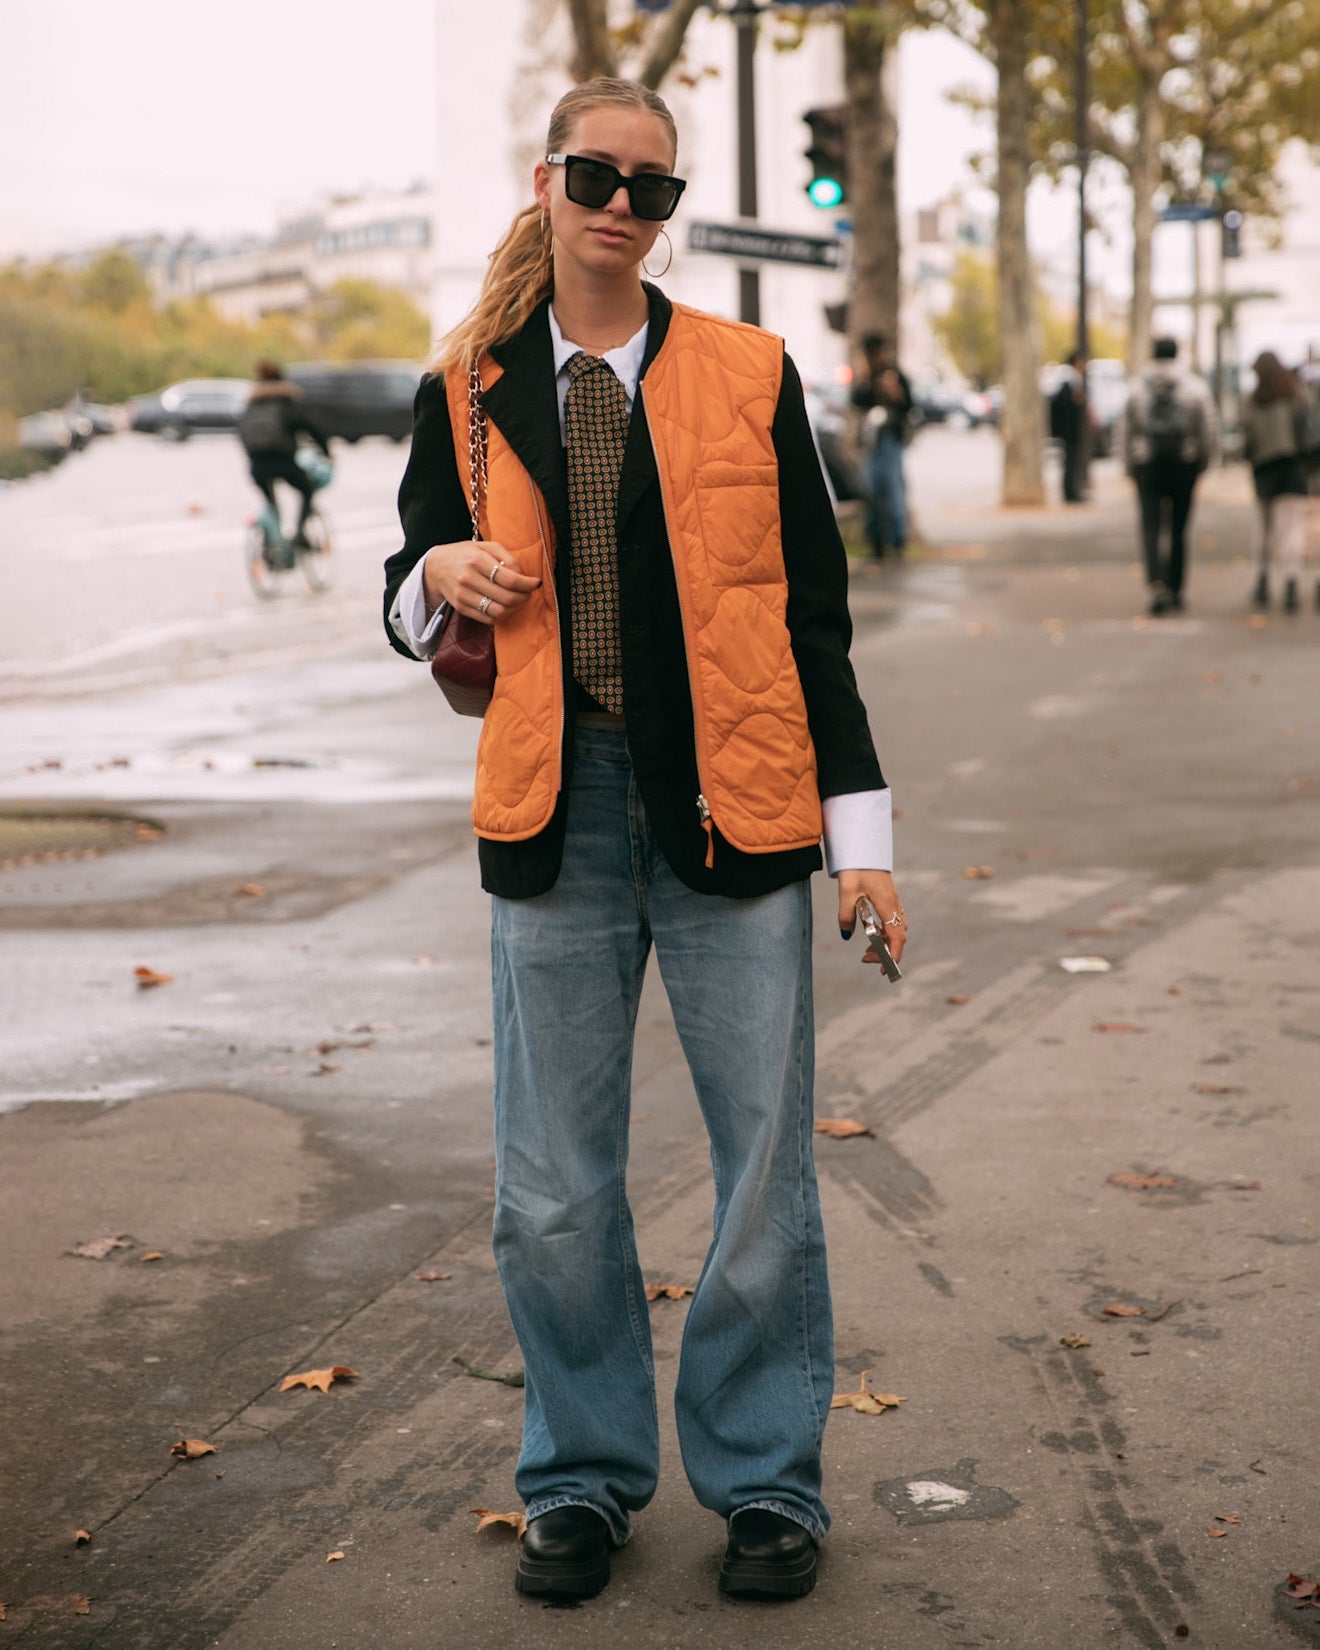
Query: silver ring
{"type": "Point", "coordinates": [483, 605]}
{"type": "Point", "coordinates": [898, 919]}
{"type": "Point", "coordinates": [494, 570]}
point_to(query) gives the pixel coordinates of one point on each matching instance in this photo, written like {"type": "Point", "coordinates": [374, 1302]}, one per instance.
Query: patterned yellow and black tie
{"type": "Point", "coordinates": [595, 431]}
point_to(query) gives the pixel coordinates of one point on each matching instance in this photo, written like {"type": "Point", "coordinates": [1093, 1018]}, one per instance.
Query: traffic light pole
{"type": "Point", "coordinates": [744, 14]}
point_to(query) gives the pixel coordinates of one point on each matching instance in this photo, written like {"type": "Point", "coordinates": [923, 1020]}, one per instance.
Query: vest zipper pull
{"type": "Point", "coordinates": [703, 813]}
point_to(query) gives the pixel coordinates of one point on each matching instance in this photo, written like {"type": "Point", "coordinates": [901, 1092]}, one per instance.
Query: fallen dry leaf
{"type": "Point", "coordinates": [148, 977]}
{"type": "Point", "coordinates": [667, 1291]}
{"type": "Point", "coordinates": [1116, 1026]}
{"type": "Point", "coordinates": [1131, 1182]}
{"type": "Point", "coordinates": [99, 1248]}
{"type": "Point", "coordinates": [1120, 1309]}
{"type": "Point", "coordinates": [331, 1557]}
{"type": "Point", "coordinates": [318, 1378]}
{"type": "Point", "coordinates": [1089, 933]}
{"type": "Point", "coordinates": [330, 1047]}
{"type": "Point", "coordinates": [151, 1254]}
{"type": "Point", "coordinates": [1303, 1592]}
{"type": "Point", "coordinates": [327, 1068]}
{"type": "Point", "coordinates": [1074, 1341]}
{"type": "Point", "coordinates": [864, 1401]}
{"type": "Point", "coordinates": [148, 833]}
{"type": "Point", "coordinates": [957, 999]}
{"type": "Point", "coordinates": [1214, 1088]}
{"type": "Point", "coordinates": [1211, 678]}
{"type": "Point", "coordinates": [433, 1277]}
{"type": "Point", "coordinates": [842, 1128]}
{"type": "Point", "coordinates": [517, 1521]}
{"type": "Point", "coordinates": [978, 873]}
{"type": "Point", "coordinates": [1217, 1532]}
{"type": "Point", "coordinates": [81, 1537]}
{"type": "Point", "coordinates": [251, 890]}
{"type": "Point", "coordinates": [191, 1449]}
{"type": "Point", "coordinates": [1226, 1518]}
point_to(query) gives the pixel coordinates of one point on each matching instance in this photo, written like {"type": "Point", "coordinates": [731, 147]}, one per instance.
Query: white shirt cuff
{"type": "Point", "coordinates": [859, 831]}
{"type": "Point", "coordinates": [408, 618]}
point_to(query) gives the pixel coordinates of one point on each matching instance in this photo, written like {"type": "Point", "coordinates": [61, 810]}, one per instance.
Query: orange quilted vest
{"type": "Point", "coordinates": [710, 397]}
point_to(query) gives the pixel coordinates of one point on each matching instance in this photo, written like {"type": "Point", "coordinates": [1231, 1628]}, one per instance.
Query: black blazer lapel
{"type": "Point", "coordinates": [639, 471]}
{"type": "Point", "coordinates": [523, 405]}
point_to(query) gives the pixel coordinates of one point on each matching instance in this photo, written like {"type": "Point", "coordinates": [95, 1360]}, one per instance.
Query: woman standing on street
{"type": "Point", "coordinates": [668, 591]}
{"type": "Point", "coordinates": [1274, 429]}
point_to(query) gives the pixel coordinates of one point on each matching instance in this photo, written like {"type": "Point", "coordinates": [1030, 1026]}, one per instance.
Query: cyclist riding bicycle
{"type": "Point", "coordinates": [268, 429]}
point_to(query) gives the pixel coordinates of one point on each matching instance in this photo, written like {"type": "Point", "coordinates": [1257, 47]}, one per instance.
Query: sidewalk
{"type": "Point", "coordinates": [1149, 792]}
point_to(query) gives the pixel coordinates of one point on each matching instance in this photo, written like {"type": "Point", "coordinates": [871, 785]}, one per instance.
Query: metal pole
{"type": "Point", "coordinates": [1082, 100]}
{"type": "Point", "coordinates": [1196, 296]}
{"type": "Point", "coordinates": [749, 280]}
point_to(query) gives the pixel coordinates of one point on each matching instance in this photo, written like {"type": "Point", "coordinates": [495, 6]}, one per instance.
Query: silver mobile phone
{"type": "Point", "coordinates": [875, 932]}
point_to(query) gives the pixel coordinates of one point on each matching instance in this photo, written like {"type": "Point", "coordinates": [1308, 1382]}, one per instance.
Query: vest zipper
{"type": "Point", "coordinates": [698, 730]}
{"type": "Point", "coordinates": [554, 607]}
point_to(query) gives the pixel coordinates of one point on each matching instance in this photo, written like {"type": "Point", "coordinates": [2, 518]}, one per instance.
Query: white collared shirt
{"type": "Point", "coordinates": [859, 829]}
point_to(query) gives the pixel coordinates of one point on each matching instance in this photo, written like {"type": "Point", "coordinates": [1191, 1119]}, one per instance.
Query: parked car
{"type": "Point", "coordinates": [193, 405]}
{"type": "Point", "coordinates": [47, 433]}
{"type": "Point", "coordinates": [350, 399]}
{"type": "Point", "coordinates": [983, 406]}
{"type": "Point", "coordinates": [934, 402]}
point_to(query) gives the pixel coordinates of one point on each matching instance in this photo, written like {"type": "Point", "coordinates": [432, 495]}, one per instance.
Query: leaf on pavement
{"type": "Point", "coordinates": [1119, 1026]}
{"type": "Point", "coordinates": [1131, 1182]}
{"type": "Point", "coordinates": [99, 1248]}
{"type": "Point", "coordinates": [1226, 1518]}
{"type": "Point", "coordinates": [331, 1557]}
{"type": "Point", "coordinates": [1214, 1532]}
{"type": "Point", "coordinates": [957, 999]}
{"type": "Point", "coordinates": [978, 873]}
{"type": "Point", "coordinates": [864, 1401]}
{"type": "Point", "coordinates": [1304, 1591]}
{"type": "Point", "coordinates": [81, 1537]}
{"type": "Point", "coordinates": [251, 890]}
{"type": "Point", "coordinates": [433, 1277]}
{"type": "Point", "coordinates": [515, 1378]}
{"type": "Point", "coordinates": [327, 1068]}
{"type": "Point", "coordinates": [151, 1254]}
{"type": "Point", "coordinates": [667, 1291]}
{"type": "Point", "coordinates": [318, 1378]}
{"type": "Point", "coordinates": [842, 1128]}
{"type": "Point", "coordinates": [148, 977]}
{"type": "Point", "coordinates": [1214, 1088]}
{"type": "Point", "coordinates": [1121, 1309]}
{"type": "Point", "coordinates": [1074, 1341]}
{"type": "Point", "coordinates": [191, 1449]}
{"type": "Point", "coordinates": [517, 1521]}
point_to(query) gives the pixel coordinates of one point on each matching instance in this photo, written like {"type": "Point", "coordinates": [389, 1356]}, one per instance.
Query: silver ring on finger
{"type": "Point", "coordinates": [494, 570]}
{"type": "Point", "coordinates": [483, 606]}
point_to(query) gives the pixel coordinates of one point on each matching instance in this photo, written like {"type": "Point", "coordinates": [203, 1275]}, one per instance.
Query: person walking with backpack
{"type": "Point", "coordinates": [268, 428]}
{"type": "Point", "coordinates": [1275, 431]}
{"type": "Point", "coordinates": [1169, 434]}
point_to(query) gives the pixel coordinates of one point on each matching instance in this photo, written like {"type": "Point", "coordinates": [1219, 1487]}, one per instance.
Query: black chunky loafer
{"type": "Point", "coordinates": [565, 1552]}
{"type": "Point", "coordinates": [768, 1556]}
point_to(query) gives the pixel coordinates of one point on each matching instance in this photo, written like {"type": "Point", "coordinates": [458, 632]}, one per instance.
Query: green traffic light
{"type": "Point", "coordinates": [825, 192]}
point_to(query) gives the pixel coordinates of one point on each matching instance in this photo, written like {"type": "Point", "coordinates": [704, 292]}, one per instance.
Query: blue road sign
{"type": "Point", "coordinates": [1188, 212]}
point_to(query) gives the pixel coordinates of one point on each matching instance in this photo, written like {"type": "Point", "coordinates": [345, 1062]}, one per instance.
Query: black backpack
{"type": "Point", "coordinates": [1167, 423]}
{"type": "Point", "coordinates": [261, 427]}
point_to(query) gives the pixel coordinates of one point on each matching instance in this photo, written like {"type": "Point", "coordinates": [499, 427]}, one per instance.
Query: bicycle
{"type": "Point", "coordinates": [269, 555]}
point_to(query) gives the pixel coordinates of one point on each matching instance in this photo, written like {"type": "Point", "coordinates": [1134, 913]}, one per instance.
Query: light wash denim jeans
{"type": "Point", "coordinates": [886, 495]}
{"type": "Point", "coordinates": [757, 1367]}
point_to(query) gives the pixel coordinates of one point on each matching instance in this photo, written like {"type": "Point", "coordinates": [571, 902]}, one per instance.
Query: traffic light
{"type": "Point", "coordinates": [1232, 234]}
{"type": "Point", "coordinates": [828, 155]}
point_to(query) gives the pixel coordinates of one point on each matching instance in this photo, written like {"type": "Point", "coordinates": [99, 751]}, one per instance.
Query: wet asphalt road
{"type": "Point", "coordinates": [299, 1120]}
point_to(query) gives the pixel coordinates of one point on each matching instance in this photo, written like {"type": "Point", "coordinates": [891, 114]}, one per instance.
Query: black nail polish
{"type": "Point", "coordinates": [845, 933]}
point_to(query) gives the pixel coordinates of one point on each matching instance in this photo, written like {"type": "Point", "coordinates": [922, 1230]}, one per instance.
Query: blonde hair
{"type": "Point", "coordinates": [521, 269]}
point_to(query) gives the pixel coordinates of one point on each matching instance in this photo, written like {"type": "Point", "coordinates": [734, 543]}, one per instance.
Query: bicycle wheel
{"type": "Point", "coordinates": [315, 557]}
{"type": "Point", "coordinates": [256, 560]}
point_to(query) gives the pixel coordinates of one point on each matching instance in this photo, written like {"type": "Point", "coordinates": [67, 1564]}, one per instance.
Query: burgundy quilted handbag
{"type": "Point", "coordinates": [463, 664]}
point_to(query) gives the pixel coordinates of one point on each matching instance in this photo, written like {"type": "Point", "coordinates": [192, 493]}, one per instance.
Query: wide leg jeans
{"type": "Point", "coordinates": [757, 1364]}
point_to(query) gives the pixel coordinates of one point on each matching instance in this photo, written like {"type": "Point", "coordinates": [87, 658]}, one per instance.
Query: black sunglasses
{"type": "Point", "coordinates": [593, 183]}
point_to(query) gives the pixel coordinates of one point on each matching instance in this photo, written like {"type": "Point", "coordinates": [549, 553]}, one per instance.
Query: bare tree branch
{"type": "Point", "coordinates": [667, 42]}
{"type": "Point", "coordinates": [593, 49]}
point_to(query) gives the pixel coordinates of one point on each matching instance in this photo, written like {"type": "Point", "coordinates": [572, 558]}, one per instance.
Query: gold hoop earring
{"type": "Point", "coordinates": [655, 274]}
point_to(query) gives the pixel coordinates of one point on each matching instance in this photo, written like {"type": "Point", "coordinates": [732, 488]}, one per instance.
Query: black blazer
{"type": "Point", "coordinates": [433, 507]}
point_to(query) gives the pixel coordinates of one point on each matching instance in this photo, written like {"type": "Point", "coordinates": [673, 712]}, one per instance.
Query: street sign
{"type": "Point", "coordinates": [1188, 212]}
{"type": "Point", "coordinates": [751, 244]}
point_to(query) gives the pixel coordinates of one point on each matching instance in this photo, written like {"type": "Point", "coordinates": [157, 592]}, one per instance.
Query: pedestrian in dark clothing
{"type": "Point", "coordinates": [1275, 422]}
{"type": "Point", "coordinates": [1168, 434]}
{"type": "Point", "coordinates": [268, 429]}
{"type": "Point", "coordinates": [884, 394]}
{"type": "Point", "coordinates": [1070, 427]}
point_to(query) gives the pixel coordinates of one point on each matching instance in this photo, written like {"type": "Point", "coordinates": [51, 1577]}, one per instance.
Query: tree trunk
{"type": "Point", "coordinates": [872, 185]}
{"type": "Point", "coordinates": [593, 50]}
{"type": "Point", "coordinates": [1022, 426]}
{"type": "Point", "coordinates": [665, 44]}
{"type": "Point", "coordinates": [1144, 176]}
